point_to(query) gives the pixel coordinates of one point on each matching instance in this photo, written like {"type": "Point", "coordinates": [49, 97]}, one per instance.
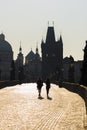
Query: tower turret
{"type": "Point", "coordinates": [37, 50]}
{"type": "Point", "coordinates": [61, 39]}
{"type": "Point", "coordinates": [20, 49]}
{"type": "Point", "coordinates": [20, 57]}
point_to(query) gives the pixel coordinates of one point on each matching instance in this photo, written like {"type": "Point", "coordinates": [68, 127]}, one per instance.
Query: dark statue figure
{"type": "Point", "coordinates": [83, 80]}
{"type": "Point", "coordinates": [71, 70]}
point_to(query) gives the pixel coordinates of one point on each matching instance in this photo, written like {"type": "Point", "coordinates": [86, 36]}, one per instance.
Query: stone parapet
{"type": "Point", "coordinates": [82, 91]}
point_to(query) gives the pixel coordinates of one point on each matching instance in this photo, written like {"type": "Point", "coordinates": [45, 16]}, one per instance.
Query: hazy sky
{"type": "Point", "coordinates": [27, 21]}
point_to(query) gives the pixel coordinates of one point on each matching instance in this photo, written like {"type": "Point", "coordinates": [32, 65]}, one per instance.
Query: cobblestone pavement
{"type": "Point", "coordinates": [20, 109]}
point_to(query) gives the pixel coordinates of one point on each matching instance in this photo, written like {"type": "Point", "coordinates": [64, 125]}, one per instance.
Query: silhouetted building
{"type": "Point", "coordinates": [33, 66]}
{"type": "Point", "coordinates": [84, 68]}
{"type": "Point", "coordinates": [52, 55]}
{"type": "Point", "coordinates": [71, 70]}
{"type": "Point", "coordinates": [52, 65]}
{"type": "Point", "coordinates": [6, 57]}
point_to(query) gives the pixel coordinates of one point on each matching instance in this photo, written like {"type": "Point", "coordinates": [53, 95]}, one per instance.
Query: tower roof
{"type": "Point", "coordinates": [50, 38]}
{"type": "Point", "coordinates": [30, 55]}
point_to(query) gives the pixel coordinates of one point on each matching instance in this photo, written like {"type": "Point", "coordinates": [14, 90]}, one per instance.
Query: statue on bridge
{"type": "Point", "coordinates": [71, 70]}
{"type": "Point", "coordinates": [84, 68]}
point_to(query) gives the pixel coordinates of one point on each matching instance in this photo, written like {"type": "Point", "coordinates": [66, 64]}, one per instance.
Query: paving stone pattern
{"type": "Point", "coordinates": [20, 109]}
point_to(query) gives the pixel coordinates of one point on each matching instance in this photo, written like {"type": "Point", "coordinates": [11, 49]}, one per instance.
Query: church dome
{"type": "Point", "coordinates": [4, 45]}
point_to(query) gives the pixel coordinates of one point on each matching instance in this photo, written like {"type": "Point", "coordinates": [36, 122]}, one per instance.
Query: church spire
{"type": "Point", "coordinates": [20, 57]}
{"type": "Point", "coordinates": [37, 48]}
{"type": "Point", "coordinates": [61, 39]}
{"type": "Point", "coordinates": [20, 49]}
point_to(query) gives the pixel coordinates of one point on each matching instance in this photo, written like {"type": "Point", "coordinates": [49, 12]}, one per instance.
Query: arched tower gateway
{"type": "Point", "coordinates": [6, 57]}
{"type": "Point", "coordinates": [52, 55]}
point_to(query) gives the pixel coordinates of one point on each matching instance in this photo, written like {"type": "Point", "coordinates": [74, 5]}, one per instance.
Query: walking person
{"type": "Point", "coordinates": [39, 86]}
{"type": "Point", "coordinates": [47, 87]}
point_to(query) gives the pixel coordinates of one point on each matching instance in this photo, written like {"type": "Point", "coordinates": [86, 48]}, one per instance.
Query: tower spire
{"type": "Point", "coordinates": [20, 49]}
{"type": "Point", "coordinates": [37, 48]}
{"type": "Point", "coordinates": [60, 38]}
